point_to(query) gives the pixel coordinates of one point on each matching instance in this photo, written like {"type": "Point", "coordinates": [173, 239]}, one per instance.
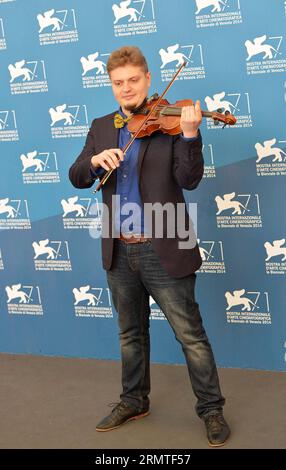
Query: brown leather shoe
{"type": "Point", "coordinates": [121, 414]}
{"type": "Point", "coordinates": [217, 428]}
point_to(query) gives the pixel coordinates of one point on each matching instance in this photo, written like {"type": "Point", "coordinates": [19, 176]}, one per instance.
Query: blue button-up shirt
{"type": "Point", "coordinates": [127, 186]}
{"type": "Point", "coordinates": [129, 203]}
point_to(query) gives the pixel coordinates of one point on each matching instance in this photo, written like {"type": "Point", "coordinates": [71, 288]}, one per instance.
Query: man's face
{"type": "Point", "coordinates": [130, 86]}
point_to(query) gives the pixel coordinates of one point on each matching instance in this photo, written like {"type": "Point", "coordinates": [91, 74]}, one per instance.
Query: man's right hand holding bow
{"type": "Point", "coordinates": [108, 159]}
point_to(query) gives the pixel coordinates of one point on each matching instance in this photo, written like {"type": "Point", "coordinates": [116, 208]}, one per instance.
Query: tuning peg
{"type": "Point", "coordinates": [216, 122]}
{"type": "Point", "coordinates": [227, 113]}
{"type": "Point", "coordinates": [219, 110]}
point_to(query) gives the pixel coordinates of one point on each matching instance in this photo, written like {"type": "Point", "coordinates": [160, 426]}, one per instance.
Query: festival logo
{"type": "Point", "coordinates": [248, 307]}
{"type": "Point", "coordinates": [14, 214]}
{"type": "Point", "coordinates": [94, 74]}
{"type": "Point", "coordinates": [57, 26]}
{"type": "Point", "coordinates": [82, 213]}
{"type": "Point", "coordinates": [39, 167]}
{"type": "Point", "coordinates": [209, 166]}
{"type": "Point", "coordinates": [8, 126]}
{"type": "Point", "coordinates": [69, 121]}
{"type": "Point", "coordinates": [134, 17]}
{"type": "Point", "coordinates": [264, 55]}
{"type": "Point", "coordinates": [175, 55]}
{"type": "Point", "coordinates": [271, 158]}
{"type": "Point", "coordinates": [3, 44]}
{"type": "Point", "coordinates": [217, 13]}
{"type": "Point", "coordinates": [28, 77]}
{"type": "Point", "coordinates": [1, 261]}
{"type": "Point", "coordinates": [156, 312]}
{"type": "Point", "coordinates": [51, 255]}
{"type": "Point", "coordinates": [237, 104]}
{"type": "Point", "coordinates": [243, 211]}
{"type": "Point", "coordinates": [275, 261]}
{"type": "Point", "coordinates": [212, 255]}
{"type": "Point", "coordinates": [24, 300]}
{"type": "Point", "coordinates": [92, 302]}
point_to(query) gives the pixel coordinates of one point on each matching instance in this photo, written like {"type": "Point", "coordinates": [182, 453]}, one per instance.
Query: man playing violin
{"type": "Point", "coordinates": [141, 261]}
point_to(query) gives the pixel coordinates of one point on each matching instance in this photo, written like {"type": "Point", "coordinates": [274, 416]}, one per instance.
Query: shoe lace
{"type": "Point", "coordinates": [119, 407]}
{"type": "Point", "coordinates": [215, 422]}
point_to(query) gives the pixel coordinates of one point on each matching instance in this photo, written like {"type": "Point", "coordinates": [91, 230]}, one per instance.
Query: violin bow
{"type": "Point", "coordinates": [134, 136]}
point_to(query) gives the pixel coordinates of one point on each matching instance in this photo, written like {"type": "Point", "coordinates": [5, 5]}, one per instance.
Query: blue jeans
{"type": "Point", "coordinates": [135, 274]}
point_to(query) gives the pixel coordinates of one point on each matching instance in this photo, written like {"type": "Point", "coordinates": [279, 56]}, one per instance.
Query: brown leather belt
{"type": "Point", "coordinates": [136, 238]}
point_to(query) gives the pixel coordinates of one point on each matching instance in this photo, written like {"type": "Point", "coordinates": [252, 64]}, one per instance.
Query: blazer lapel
{"type": "Point", "coordinates": [142, 150]}
{"type": "Point", "coordinates": [111, 141]}
{"type": "Point", "coordinates": [112, 134]}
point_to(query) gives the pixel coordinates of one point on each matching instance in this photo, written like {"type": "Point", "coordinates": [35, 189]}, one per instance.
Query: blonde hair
{"type": "Point", "coordinates": [126, 55]}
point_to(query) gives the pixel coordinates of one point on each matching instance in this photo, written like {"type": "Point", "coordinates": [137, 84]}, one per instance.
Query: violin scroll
{"type": "Point", "coordinates": [227, 118]}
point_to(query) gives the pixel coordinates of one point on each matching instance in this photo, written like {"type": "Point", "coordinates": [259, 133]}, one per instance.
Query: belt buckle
{"type": "Point", "coordinates": [130, 237]}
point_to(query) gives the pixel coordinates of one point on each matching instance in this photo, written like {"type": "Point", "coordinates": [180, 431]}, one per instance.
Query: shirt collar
{"type": "Point", "coordinates": [122, 113]}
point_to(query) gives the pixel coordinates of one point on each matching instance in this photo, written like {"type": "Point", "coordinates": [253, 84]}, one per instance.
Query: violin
{"type": "Point", "coordinates": [156, 114]}
{"type": "Point", "coordinates": [166, 117]}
